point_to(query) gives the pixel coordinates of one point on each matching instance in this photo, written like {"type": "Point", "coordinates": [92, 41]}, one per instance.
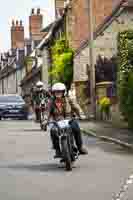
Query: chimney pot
{"type": "Point", "coordinates": [13, 24]}
{"type": "Point", "coordinates": [32, 11]}
{"type": "Point", "coordinates": [38, 11]}
{"type": "Point", "coordinates": [16, 22]}
{"type": "Point", "coordinates": [21, 24]}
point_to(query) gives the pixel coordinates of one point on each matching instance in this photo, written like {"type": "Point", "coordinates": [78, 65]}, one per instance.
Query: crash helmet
{"type": "Point", "coordinates": [39, 84]}
{"type": "Point", "coordinates": [58, 87]}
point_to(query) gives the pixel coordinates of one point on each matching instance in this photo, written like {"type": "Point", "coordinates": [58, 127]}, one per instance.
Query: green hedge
{"type": "Point", "coordinates": [125, 74]}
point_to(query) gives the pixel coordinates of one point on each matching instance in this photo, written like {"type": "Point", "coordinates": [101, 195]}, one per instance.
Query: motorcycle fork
{"type": "Point", "coordinates": [61, 137]}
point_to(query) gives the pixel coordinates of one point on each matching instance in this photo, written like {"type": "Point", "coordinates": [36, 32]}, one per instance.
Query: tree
{"type": "Point", "coordinates": [62, 62]}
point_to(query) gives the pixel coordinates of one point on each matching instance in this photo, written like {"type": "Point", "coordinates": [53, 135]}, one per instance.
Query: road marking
{"type": "Point", "coordinates": [124, 188]}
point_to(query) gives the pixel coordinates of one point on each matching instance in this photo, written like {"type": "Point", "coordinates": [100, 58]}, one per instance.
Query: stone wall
{"type": "Point", "coordinates": [12, 81]}
{"type": "Point", "coordinates": [0, 86]}
{"type": "Point", "coordinates": [82, 94]}
{"type": "Point", "coordinates": [45, 66]}
{"type": "Point", "coordinates": [81, 62]}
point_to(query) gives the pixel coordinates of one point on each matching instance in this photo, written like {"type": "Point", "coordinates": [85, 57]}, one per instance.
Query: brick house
{"type": "Point", "coordinates": [12, 62]}
{"type": "Point", "coordinates": [80, 18]}
{"type": "Point", "coordinates": [56, 31]}
{"type": "Point", "coordinates": [105, 44]}
{"type": "Point", "coordinates": [41, 56]}
{"type": "Point", "coordinates": [13, 67]}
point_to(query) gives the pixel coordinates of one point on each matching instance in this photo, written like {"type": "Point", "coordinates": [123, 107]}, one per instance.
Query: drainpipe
{"type": "Point", "coordinates": [91, 56]}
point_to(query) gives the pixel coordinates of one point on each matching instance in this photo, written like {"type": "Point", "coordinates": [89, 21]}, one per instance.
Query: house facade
{"type": "Point", "coordinates": [104, 44]}
{"type": "Point", "coordinates": [11, 73]}
{"type": "Point", "coordinates": [13, 67]}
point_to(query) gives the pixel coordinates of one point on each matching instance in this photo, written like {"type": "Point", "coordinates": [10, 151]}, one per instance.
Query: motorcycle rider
{"type": "Point", "coordinates": [62, 107]}
{"type": "Point", "coordinates": [39, 94]}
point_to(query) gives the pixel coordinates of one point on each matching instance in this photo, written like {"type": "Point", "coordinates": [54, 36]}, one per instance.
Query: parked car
{"type": "Point", "coordinates": [13, 106]}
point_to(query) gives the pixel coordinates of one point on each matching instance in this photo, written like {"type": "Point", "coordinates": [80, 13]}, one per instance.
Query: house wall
{"type": "Point", "coordinates": [45, 66]}
{"type": "Point", "coordinates": [105, 45]}
{"type": "Point", "coordinates": [11, 83]}
{"type": "Point", "coordinates": [1, 86]}
{"type": "Point", "coordinates": [80, 12]}
{"type": "Point", "coordinates": [20, 75]}
{"type": "Point", "coordinates": [5, 82]}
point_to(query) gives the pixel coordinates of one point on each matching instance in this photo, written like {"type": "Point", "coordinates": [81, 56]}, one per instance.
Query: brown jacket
{"type": "Point", "coordinates": [66, 108]}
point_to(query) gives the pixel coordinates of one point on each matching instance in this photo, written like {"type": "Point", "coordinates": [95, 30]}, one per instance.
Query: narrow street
{"type": "Point", "coordinates": [29, 172]}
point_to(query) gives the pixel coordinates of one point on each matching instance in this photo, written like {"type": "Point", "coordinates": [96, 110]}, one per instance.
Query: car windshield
{"type": "Point", "coordinates": [11, 99]}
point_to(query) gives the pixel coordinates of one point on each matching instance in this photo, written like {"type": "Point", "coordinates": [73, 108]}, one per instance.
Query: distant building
{"type": "Point", "coordinates": [13, 63]}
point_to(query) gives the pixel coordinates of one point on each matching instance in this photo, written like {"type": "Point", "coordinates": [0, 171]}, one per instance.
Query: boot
{"type": "Point", "coordinates": [83, 151]}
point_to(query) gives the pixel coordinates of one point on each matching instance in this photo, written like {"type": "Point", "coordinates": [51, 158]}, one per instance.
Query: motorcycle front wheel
{"type": "Point", "coordinates": [66, 154]}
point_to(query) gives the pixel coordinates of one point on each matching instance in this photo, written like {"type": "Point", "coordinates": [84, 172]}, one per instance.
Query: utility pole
{"type": "Point", "coordinates": [91, 59]}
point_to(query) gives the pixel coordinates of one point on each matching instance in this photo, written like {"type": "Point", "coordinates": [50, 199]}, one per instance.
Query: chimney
{"type": "Point", "coordinates": [35, 25]}
{"type": "Point", "coordinates": [17, 35]}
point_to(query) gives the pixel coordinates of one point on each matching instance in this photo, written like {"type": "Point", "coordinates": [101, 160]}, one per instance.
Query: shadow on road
{"type": "Point", "coordinates": [49, 167]}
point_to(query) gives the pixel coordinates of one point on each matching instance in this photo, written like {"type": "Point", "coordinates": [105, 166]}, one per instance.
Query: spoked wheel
{"type": "Point", "coordinates": [66, 155]}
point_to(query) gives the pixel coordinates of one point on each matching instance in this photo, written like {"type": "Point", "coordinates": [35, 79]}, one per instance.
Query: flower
{"type": "Point", "coordinates": [105, 102]}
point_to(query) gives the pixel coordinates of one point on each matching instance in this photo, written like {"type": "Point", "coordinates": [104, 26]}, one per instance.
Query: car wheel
{"type": "Point", "coordinates": [25, 118]}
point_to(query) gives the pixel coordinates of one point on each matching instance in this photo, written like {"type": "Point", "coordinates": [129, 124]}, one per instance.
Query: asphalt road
{"type": "Point", "coordinates": [29, 172]}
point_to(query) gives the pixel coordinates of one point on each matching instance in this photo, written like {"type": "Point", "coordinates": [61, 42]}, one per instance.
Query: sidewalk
{"type": "Point", "coordinates": [106, 131]}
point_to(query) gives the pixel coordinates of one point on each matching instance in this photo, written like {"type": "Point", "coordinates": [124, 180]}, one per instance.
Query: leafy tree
{"type": "Point", "coordinates": [62, 62]}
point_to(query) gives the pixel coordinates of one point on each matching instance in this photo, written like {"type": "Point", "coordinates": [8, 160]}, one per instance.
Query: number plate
{"type": "Point", "coordinates": [14, 111]}
{"type": "Point", "coordinates": [63, 123]}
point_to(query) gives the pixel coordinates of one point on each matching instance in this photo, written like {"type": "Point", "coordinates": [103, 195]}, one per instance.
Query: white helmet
{"type": "Point", "coordinates": [39, 84]}
{"type": "Point", "coordinates": [58, 87]}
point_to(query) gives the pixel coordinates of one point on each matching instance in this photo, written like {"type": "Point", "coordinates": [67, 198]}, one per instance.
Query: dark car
{"type": "Point", "coordinates": [13, 106]}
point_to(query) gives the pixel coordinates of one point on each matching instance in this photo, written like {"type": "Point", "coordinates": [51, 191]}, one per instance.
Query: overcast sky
{"type": "Point", "coordinates": [20, 9]}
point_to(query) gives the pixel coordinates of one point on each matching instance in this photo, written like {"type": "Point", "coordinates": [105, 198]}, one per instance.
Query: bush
{"type": "Point", "coordinates": [125, 74]}
{"type": "Point", "coordinates": [105, 104]}
{"type": "Point", "coordinates": [62, 63]}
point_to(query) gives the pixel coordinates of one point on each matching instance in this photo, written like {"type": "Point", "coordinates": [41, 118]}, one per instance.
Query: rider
{"type": "Point", "coordinates": [39, 94]}
{"type": "Point", "coordinates": [62, 107]}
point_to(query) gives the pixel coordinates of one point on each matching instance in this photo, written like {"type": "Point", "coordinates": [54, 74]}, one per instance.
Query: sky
{"type": "Point", "coordinates": [21, 9]}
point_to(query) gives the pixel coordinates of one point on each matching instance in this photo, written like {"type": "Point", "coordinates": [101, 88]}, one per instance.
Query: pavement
{"type": "Point", "coordinates": [29, 172]}
{"type": "Point", "coordinates": [106, 131]}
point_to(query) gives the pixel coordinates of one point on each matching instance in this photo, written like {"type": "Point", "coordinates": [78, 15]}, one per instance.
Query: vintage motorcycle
{"type": "Point", "coordinates": [63, 132]}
